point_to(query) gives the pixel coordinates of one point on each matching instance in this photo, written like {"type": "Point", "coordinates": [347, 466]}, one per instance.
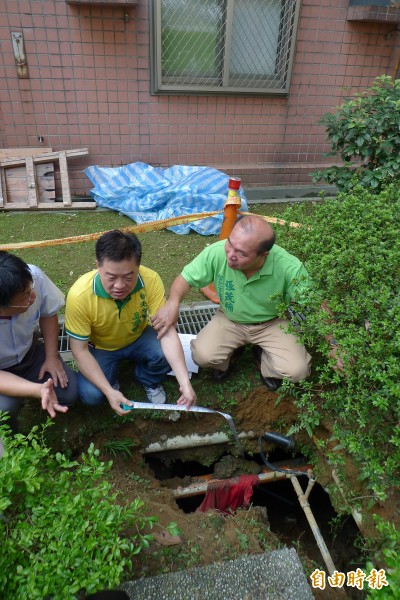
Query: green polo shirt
{"type": "Point", "coordinates": [91, 313]}
{"type": "Point", "coordinates": [248, 300]}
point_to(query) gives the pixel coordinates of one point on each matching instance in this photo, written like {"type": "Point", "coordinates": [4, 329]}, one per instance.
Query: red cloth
{"type": "Point", "coordinates": [226, 495]}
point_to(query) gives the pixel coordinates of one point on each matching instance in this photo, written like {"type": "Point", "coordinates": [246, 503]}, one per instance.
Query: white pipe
{"type": "Point", "coordinates": [201, 488]}
{"type": "Point", "coordinates": [357, 516]}
{"type": "Point", "coordinates": [303, 499]}
{"type": "Point", "coordinates": [194, 440]}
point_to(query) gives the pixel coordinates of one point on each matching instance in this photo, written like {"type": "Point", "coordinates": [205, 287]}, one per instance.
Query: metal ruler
{"type": "Point", "coordinates": [197, 409]}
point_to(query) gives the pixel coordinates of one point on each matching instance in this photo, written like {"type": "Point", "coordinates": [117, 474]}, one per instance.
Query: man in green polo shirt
{"type": "Point", "coordinates": [251, 275]}
{"type": "Point", "coordinates": [107, 317]}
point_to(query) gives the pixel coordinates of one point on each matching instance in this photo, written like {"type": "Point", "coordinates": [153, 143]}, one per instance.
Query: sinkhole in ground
{"type": "Point", "coordinates": [285, 514]}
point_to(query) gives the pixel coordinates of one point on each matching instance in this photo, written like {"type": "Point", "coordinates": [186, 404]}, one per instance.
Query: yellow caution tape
{"type": "Point", "coordinates": [143, 228]}
{"type": "Point", "coordinates": [272, 219]}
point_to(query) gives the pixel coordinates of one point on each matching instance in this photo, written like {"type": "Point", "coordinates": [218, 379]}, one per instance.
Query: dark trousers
{"type": "Point", "coordinates": [29, 369]}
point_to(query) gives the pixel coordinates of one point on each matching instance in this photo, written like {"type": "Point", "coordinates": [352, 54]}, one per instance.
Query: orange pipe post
{"type": "Point", "coordinates": [231, 207]}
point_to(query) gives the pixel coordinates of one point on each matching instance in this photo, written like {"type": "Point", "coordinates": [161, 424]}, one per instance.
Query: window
{"type": "Point", "coordinates": [222, 46]}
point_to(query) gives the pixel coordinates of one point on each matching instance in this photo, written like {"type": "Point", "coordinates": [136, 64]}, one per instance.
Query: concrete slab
{"type": "Point", "coordinates": [276, 575]}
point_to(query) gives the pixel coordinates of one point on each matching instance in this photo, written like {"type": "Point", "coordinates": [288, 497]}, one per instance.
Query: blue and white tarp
{"type": "Point", "coordinates": [145, 193]}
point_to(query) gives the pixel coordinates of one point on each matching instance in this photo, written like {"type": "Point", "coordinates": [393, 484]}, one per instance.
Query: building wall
{"type": "Point", "coordinates": [88, 86]}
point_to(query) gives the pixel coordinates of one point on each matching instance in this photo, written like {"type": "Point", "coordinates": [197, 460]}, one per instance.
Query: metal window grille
{"type": "Point", "coordinates": [223, 46]}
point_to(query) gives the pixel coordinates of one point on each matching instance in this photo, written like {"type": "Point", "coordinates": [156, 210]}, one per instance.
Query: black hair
{"type": "Point", "coordinates": [246, 222]}
{"type": "Point", "coordinates": [117, 246]}
{"type": "Point", "coordinates": [15, 277]}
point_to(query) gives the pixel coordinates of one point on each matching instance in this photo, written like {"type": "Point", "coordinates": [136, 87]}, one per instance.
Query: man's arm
{"type": "Point", "coordinates": [15, 386]}
{"type": "Point", "coordinates": [90, 368]}
{"type": "Point", "coordinates": [52, 364]}
{"type": "Point", "coordinates": [167, 315]}
{"type": "Point", "coordinates": [173, 351]}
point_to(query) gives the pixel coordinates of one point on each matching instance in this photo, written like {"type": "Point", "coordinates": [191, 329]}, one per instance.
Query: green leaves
{"type": "Point", "coordinates": [365, 129]}
{"type": "Point", "coordinates": [351, 247]}
{"type": "Point", "coordinates": [388, 554]}
{"type": "Point", "coordinates": [115, 447]}
{"type": "Point", "coordinates": [61, 523]}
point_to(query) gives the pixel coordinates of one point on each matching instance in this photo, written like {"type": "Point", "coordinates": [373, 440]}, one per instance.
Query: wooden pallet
{"type": "Point", "coordinates": [27, 181]}
{"type": "Point", "coordinates": [14, 179]}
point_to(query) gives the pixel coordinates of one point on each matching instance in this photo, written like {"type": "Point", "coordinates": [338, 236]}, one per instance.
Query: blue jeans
{"type": "Point", "coordinates": [150, 366]}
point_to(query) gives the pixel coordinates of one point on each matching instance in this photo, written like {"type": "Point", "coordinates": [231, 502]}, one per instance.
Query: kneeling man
{"type": "Point", "coordinates": [108, 316]}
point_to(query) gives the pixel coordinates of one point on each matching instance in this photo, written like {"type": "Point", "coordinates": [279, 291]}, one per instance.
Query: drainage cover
{"type": "Point", "coordinates": [193, 317]}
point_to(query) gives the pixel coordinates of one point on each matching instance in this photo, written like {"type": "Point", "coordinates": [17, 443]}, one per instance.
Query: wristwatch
{"type": "Point", "coordinates": [333, 342]}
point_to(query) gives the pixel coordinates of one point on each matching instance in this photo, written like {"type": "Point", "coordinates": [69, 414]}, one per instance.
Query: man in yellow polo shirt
{"type": "Point", "coordinates": [108, 314]}
{"type": "Point", "coordinates": [252, 276]}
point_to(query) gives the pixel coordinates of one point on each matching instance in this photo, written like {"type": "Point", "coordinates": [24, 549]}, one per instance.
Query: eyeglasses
{"type": "Point", "coordinates": [31, 291]}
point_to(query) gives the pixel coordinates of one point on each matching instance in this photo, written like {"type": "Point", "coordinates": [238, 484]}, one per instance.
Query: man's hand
{"type": "Point", "coordinates": [90, 368]}
{"type": "Point", "coordinates": [49, 399]}
{"type": "Point", "coordinates": [116, 398]}
{"type": "Point", "coordinates": [165, 317]}
{"type": "Point", "coordinates": [55, 367]}
{"type": "Point", "coordinates": [188, 396]}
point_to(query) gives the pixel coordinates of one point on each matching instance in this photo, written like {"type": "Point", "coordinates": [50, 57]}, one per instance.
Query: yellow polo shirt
{"type": "Point", "coordinates": [91, 314]}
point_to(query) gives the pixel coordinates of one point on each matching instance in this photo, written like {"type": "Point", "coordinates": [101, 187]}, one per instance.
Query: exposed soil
{"type": "Point", "coordinates": [212, 537]}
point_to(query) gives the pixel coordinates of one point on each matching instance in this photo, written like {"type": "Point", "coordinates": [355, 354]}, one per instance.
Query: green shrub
{"type": "Point", "coordinates": [61, 526]}
{"type": "Point", "coordinates": [389, 555]}
{"type": "Point", "coordinates": [365, 129]}
{"type": "Point", "coordinates": [351, 247]}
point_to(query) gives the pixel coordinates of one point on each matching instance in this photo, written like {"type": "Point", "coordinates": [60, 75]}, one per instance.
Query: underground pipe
{"type": "Point", "coordinates": [194, 440]}
{"type": "Point", "coordinates": [302, 496]}
{"type": "Point", "coordinates": [273, 475]}
{"type": "Point", "coordinates": [357, 516]}
{"type": "Point", "coordinates": [195, 489]}
{"type": "Point", "coordinates": [303, 499]}
{"type": "Point", "coordinates": [201, 488]}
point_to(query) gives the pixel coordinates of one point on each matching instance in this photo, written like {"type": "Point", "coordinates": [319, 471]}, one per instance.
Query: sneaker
{"type": "Point", "coordinates": [156, 395]}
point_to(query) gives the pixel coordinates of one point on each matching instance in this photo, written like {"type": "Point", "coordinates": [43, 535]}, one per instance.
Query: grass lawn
{"type": "Point", "coordinates": [164, 251]}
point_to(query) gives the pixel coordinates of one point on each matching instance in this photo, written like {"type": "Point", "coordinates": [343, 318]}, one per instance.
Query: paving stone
{"type": "Point", "coordinates": [276, 575]}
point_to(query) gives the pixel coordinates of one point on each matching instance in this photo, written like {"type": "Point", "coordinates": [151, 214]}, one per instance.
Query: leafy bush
{"type": "Point", "coordinates": [60, 523]}
{"type": "Point", "coordinates": [351, 247]}
{"type": "Point", "coordinates": [365, 129]}
{"type": "Point", "coordinates": [390, 556]}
